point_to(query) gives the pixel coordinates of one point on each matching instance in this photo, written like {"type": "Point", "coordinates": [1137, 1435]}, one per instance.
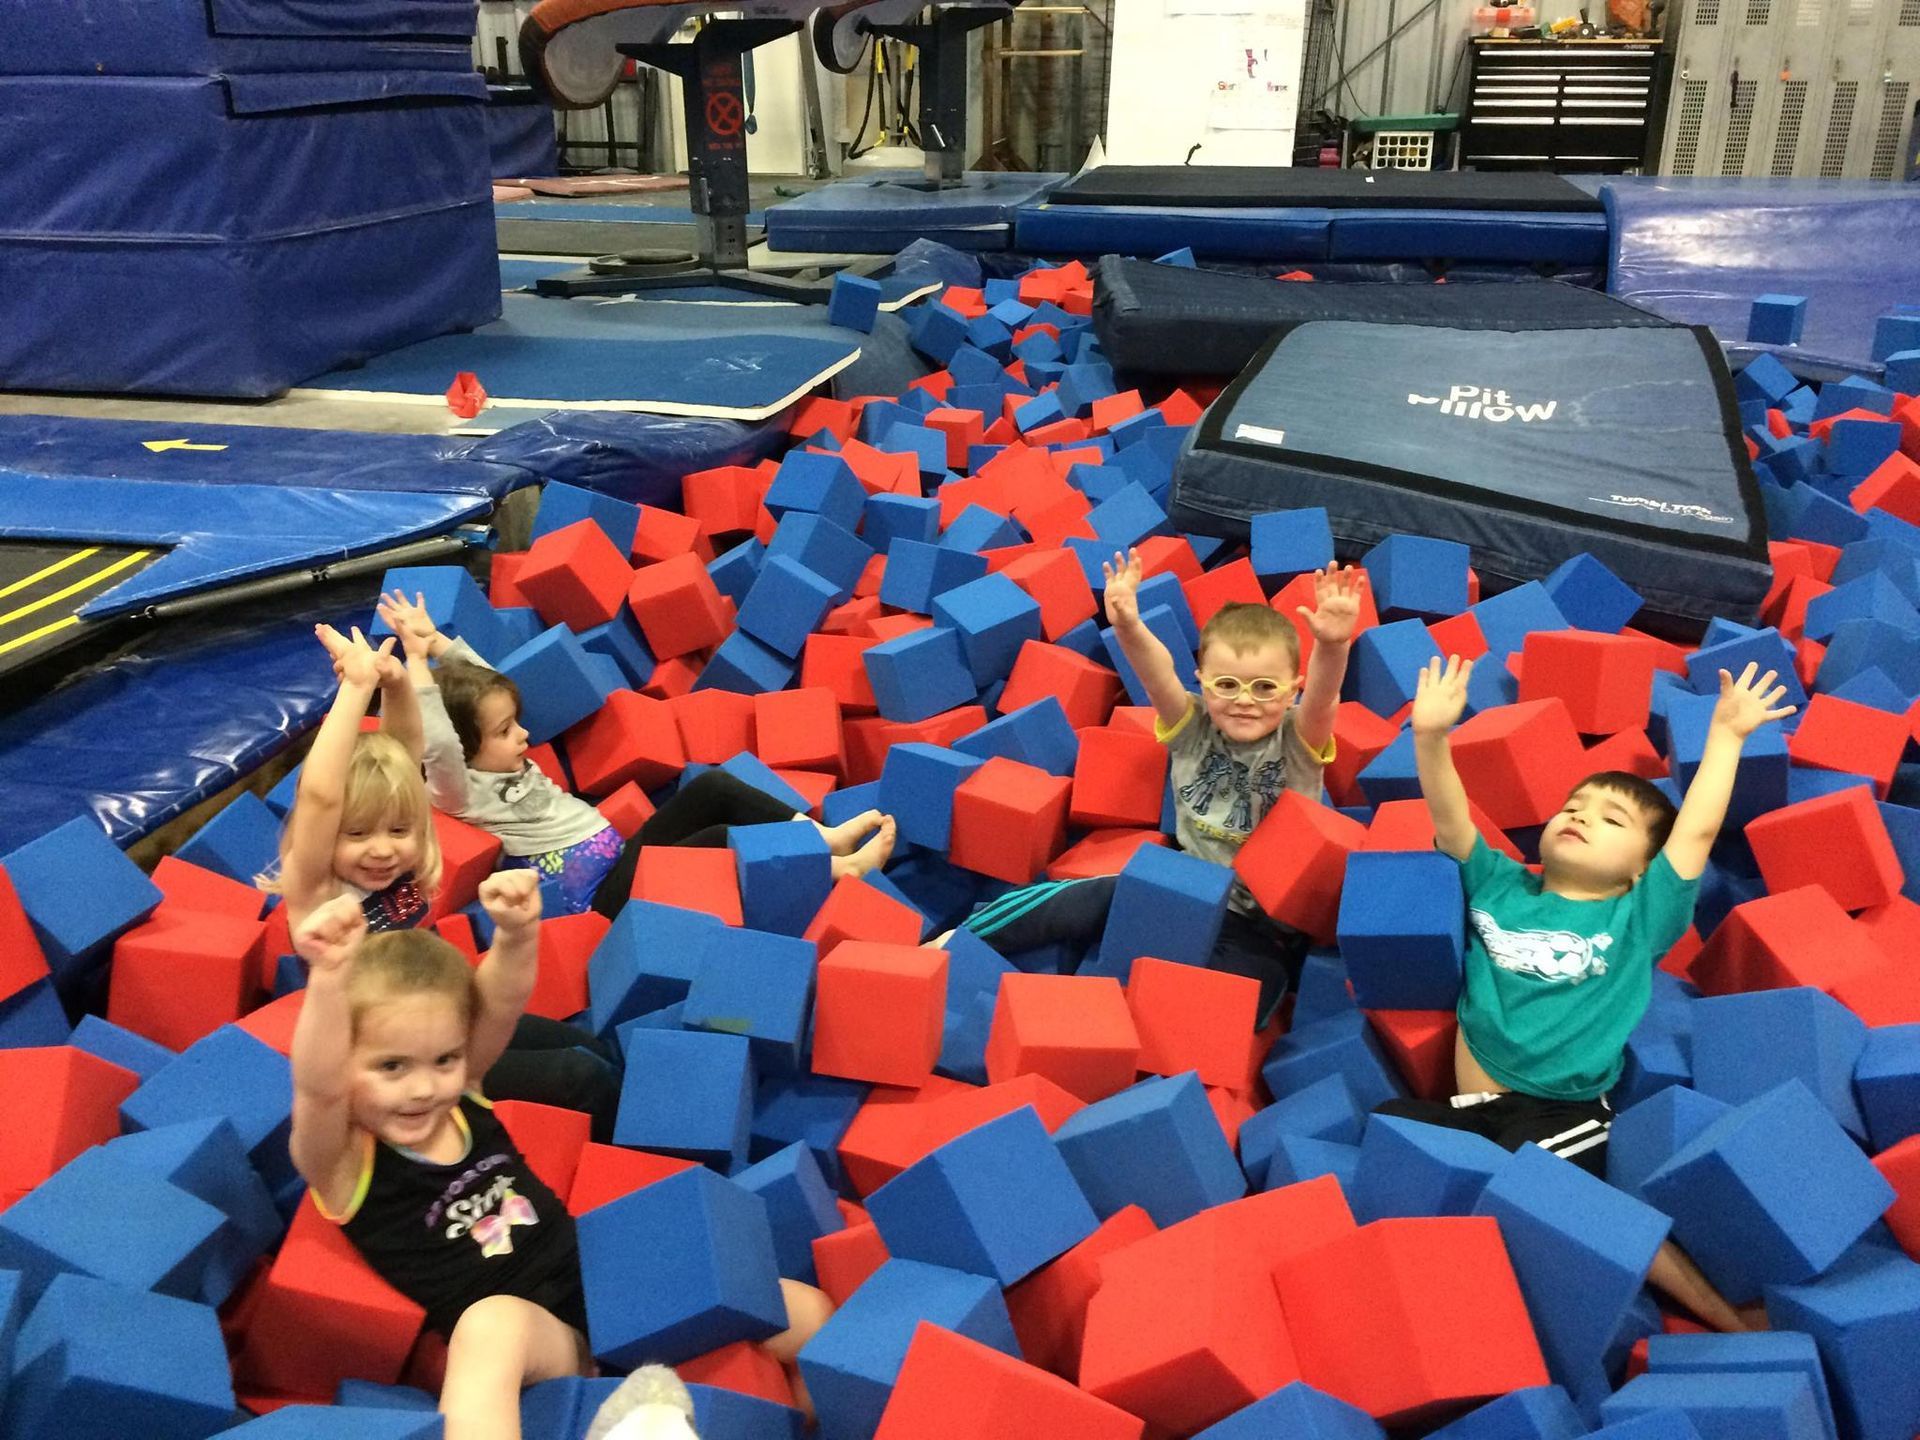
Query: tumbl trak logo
{"type": "Point", "coordinates": [1472, 402]}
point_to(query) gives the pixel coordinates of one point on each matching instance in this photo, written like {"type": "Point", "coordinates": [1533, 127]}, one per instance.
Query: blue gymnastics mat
{"type": "Point", "coordinates": [887, 210]}
{"type": "Point", "coordinates": [743, 362]}
{"type": "Point", "coordinates": [1700, 250]}
{"type": "Point", "coordinates": [1531, 236]}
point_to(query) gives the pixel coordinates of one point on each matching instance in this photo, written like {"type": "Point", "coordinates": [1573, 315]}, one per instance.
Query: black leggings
{"type": "Point", "coordinates": [698, 816]}
{"type": "Point", "coordinates": [549, 1062]}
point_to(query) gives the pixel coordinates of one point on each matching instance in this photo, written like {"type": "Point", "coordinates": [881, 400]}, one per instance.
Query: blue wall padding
{"type": "Point", "coordinates": [1700, 251]}
{"type": "Point", "coordinates": [520, 135]}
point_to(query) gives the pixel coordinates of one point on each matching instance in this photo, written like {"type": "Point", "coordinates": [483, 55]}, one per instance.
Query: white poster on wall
{"type": "Point", "coordinates": [1204, 82]}
{"type": "Point", "coordinates": [1253, 81]}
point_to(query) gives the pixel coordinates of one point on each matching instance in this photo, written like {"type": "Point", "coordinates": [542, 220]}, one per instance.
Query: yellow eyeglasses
{"type": "Point", "coordinates": [1263, 691]}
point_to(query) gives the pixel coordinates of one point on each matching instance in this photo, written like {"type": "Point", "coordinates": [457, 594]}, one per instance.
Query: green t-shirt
{"type": "Point", "coordinates": [1554, 986]}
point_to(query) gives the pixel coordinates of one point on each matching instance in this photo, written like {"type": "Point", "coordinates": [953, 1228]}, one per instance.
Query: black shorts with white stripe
{"type": "Point", "coordinates": [1575, 1130]}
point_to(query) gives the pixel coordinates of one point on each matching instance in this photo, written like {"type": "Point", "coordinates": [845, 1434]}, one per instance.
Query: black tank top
{"type": "Point", "coordinates": [447, 1235]}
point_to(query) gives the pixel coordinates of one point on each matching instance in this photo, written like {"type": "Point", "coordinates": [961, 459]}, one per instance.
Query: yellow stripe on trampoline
{"type": "Point", "coordinates": [74, 589]}
{"type": "Point", "coordinates": [54, 569]}
{"type": "Point", "coordinates": [33, 635]}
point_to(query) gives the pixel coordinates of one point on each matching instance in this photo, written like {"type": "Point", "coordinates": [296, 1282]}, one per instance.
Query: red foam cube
{"type": "Point", "coordinates": [953, 1388]}
{"type": "Point", "coordinates": [1894, 486]}
{"type": "Point", "coordinates": [1101, 852]}
{"type": "Point", "coordinates": [626, 809]}
{"type": "Point", "coordinates": [1009, 820]}
{"type": "Point", "coordinates": [567, 944]}
{"type": "Point", "coordinates": [1119, 779]}
{"type": "Point", "coordinates": [692, 877]}
{"type": "Point", "coordinates": [724, 499]}
{"type": "Point", "coordinates": [1795, 937]}
{"type": "Point", "coordinates": [60, 1101]}
{"type": "Point", "coordinates": [1459, 635]}
{"type": "Point", "coordinates": [821, 412]}
{"type": "Point", "coordinates": [274, 1022]}
{"type": "Point", "coordinates": [879, 1012]}
{"type": "Point", "coordinates": [468, 855]}
{"type": "Point", "coordinates": [836, 664]}
{"type": "Point", "coordinates": [1837, 841]}
{"type": "Point", "coordinates": [663, 534]}
{"type": "Point", "coordinates": [1192, 1018]}
{"type": "Point", "coordinates": [1519, 762]}
{"type": "Point", "coordinates": [1086, 690]}
{"type": "Point", "coordinates": [606, 1172]}
{"type": "Point", "coordinates": [183, 974]}
{"type": "Point", "coordinates": [1421, 1044]}
{"type": "Point", "coordinates": [1232, 583]}
{"type": "Point", "coordinates": [679, 608]}
{"type": "Point", "coordinates": [503, 580]}
{"type": "Point", "coordinates": [1296, 861]}
{"type": "Point", "coordinates": [800, 729]}
{"type": "Point", "coordinates": [575, 576]}
{"type": "Point", "coordinates": [1630, 751]}
{"type": "Point", "coordinates": [632, 737]}
{"type": "Point", "coordinates": [1605, 680]}
{"type": "Point", "coordinates": [1899, 1166]}
{"type": "Point", "coordinates": [1359, 736]}
{"type": "Point", "coordinates": [855, 910]}
{"type": "Point", "coordinates": [21, 960]}
{"type": "Point", "coordinates": [742, 1367]}
{"type": "Point", "coordinates": [321, 1315]}
{"type": "Point", "coordinates": [1075, 1030]}
{"type": "Point", "coordinates": [1836, 734]}
{"type": "Point", "coordinates": [1110, 410]}
{"type": "Point", "coordinates": [1408, 825]}
{"type": "Point", "coordinates": [962, 428]}
{"type": "Point", "coordinates": [844, 1259]}
{"type": "Point", "coordinates": [187, 886]}
{"type": "Point", "coordinates": [1411, 1319]}
{"type": "Point", "coordinates": [1049, 1307]}
{"type": "Point", "coordinates": [1058, 586]}
{"type": "Point", "coordinates": [549, 1136]}
{"type": "Point", "coordinates": [714, 725]}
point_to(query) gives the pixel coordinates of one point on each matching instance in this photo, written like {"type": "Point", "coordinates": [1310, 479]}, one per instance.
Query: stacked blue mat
{"type": "Point", "coordinates": [315, 177]}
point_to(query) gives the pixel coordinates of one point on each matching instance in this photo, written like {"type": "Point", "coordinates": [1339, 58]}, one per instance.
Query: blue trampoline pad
{"type": "Point", "coordinates": [1228, 233]}
{"type": "Point", "coordinates": [677, 358]}
{"type": "Point", "coordinates": [1535, 236]}
{"type": "Point", "coordinates": [886, 210]}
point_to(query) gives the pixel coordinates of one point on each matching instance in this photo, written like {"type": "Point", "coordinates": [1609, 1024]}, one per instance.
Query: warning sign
{"type": "Point", "coordinates": [725, 116]}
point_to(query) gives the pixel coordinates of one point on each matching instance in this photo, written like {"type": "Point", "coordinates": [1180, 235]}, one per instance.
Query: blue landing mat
{"type": "Point", "coordinates": [886, 210]}
{"type": "Point", "coordinates": [1533, 236]}
{"type": "Point", "coordinates": [743, 362]}
{"type": "Point", "coordinates": [1699, 251]}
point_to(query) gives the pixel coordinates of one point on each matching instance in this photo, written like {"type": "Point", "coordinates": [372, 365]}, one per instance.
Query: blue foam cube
{"type": "Point", "coordinates": [341, 1422]}
{"type": "Point", "coordinates": [916, 788]}
{"type": "Point", "coordinates": [1765, 378]}
{"type": "Point", "coordinates": [917, 572]}
{"type": "Point", "coordinates": [562, 505]}
{"type": "Point", "coordinates": [33, 1015]}
{"type": "Point", "coordinates": [1887, 1080]}
{"type": "Point", "coordinates": [1386, 664]}
{"type": "Point", "coordinates": [890, 517]}
{"type": "Point", "coordinates": [645, 962]}
{"type": "Point", "coordinates": [96, 1360]}
{"type": "Point", "coordinates": [1864, 1317]}
{"type": "Point", "coordinates": [1408, 1168]}
{"type": "Point", "coordinates": [240, 842]}
{"type": "Point", "coordinates": [230, 1075]}
{"type": "Point", "coordinates": [850, 1366]}
{"type": "Point", "coordinates": [786, 604]}
{"type": "Point", "coordinates": [1508, 618]}
{"type": "Point", "coordinates": [993, 618]}
{"type": "Point", "coordinates": [1591, 596]}
{"type": "Point", "coordinates": [1859, 645]}
{"type": "Point", "coordinates": [1039, 735]}
{"type": "Point", "coordinates": [1286, 543]}
{"type": "Point", "coordinates": [800, 1206]}
{"type": "Point", "coordinates": [1667, 1423]}
{"type": "Point", "coordinates": [814, 1110]}
{"type": "Point", "coordinates": [1392, 774]}
{"type": "Point", "coordinates": [1323, 988]}
{"type": "Point", "coordinates": [998, 1201]}
{"type": "Point", "coordinates": [621, 641]}
{"type": "Point", "coordinates": [686, 1093]}
{"type": "Point", "coordinates": [722, 1414]}
{"type": "Point", "coordinates": [917, 675]}
{"type": "Point", "coordinates": [1580, 1250]}
{"type": "Point", "coordinates": [79, 891]}
{"type": "Point", "coordinates": [1647, 1135]}
{"type": "Point", "coordinates": [1744, 1045]}
{"type": "Point", "coordinates": [1777, 319]}
{"type": "Point", "coordinates": [1298, 1158]}
{"type": "Point", "coordinates": [1167, 904]}
{"type": "Point", "coordinates": [750, 769]}
{"type": "Point", "coordinates": [1761, 782]}
{"type": "Point", "coordinates": [854, 302]}
{"type": "Point", "coordinates": [557, 684]}
{"type": "Point", "coordinates": [1897, 330]}
{"type": "Point", "coordinates": [455, 600]}
{"type": "Point", "coordinates": [1415, 576]}
{"type": "Point", "coordinates": [1156, 1144]}
{"type": "Point", "coordinates": [1341, 1044]}
{"type": "Point", "coordinates": [121, 1047]}
{"type": "Point", "coordinates": [830, 551]}
{"type": "Point", "coordinates": [1402, 929]}
{"type": "Point", "coordinates": [1540, 1412]}
{"type": "Point", "coordinates": [1127, 517]}
{"type": "Point", "coordinates": [819, 484]}
{"type": "Point", "coordinates": [1298, 1412]}
{"type": "Point", "coordinates": [758, 985]}
{"type": "Point", "coordinates": [1771, 1193]}
{"type": "Point", "coordinates": [1776, 1406]}
{"type": "Point", "coordinates": [1165, 626]}
{"type": "Point", "coordinates": [1323, 1111]}
{"type": "Point", "coordinates": [1778, 1350]}
{"type": "Point", "coordinates": [678, 1268]}
{"type": "Point", "coordinates": [1866, 597]}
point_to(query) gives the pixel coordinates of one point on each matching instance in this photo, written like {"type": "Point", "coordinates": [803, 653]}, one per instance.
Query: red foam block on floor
{"type": "Point", "coordinates": [1086, 691]}
{"type": "Point", "coordinates": [566, 946]}
{"type": "Point", "coordinates": [742, 1367]}
{"type": "Point", "coordinates": [1836, 734]}
{"type": "Point", "coordinates": [60, 1101]}
{"type": "Point", "coordinates": [855, 910]}
{"type": "Point", "coordinates": [1359, 736]}
{"type": "Point", "coordinates": [632, 737]}
{"type": "Point", "coordinates": [1837, 841]}
{"type": "Point", "coordinates": [1190, 1018]}
{"type": "Point", "coordinates": [1101, 852]}
{"type": "Point", "coordinates": [953, 1388]}
{"type": "Point", "coordinates": [691, 877]}
{"type": "Point", "coordinates": [468, 855]}
{"type": "Point", "coordinates": [1119, 779]}
{"type": "Point", "coordinates": [879, 1012]}
{"type": "Point", "coordinates": [714, 725]}
{"type": "Point", "coordinates": [184, 974]}
{"type": "Point", "coordinates": [1009, 820]}
{"type": "Point", "coordinates": [1795, 937]}
{"type": "Point", "coordinates": [1296, 861]}
{"type": "Point", "coordinates": [679, 608]}
{"type": "Point", "coordinates": [800, 729]}
{"type": "Point", "coordinates": [1605, 680]}
{"type": "Point", "coordinates": [575, 576]}
{"type": "Point", "coordinates": [1421, 1044]}
{"type": "Point", "coordinates": [1075, 1030]}
{"type": "Point", "coordinates": [1411, 1319]}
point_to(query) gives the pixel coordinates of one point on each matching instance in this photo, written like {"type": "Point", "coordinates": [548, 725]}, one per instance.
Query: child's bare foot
{"type": "Point", "coordinates": [870, 856]}
{"type": "Point", "coordinates": [939, 942]}
{"type": "Point", "coordinates": [844, 838]}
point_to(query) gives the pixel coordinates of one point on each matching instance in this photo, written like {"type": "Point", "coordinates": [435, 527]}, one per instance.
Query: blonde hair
{"type": "Point", "coordinates": [1240, 625]}
{"type": "Point", "coordinates": [383, 784]}
{"type": "Point", "coordinates": [397, 963]}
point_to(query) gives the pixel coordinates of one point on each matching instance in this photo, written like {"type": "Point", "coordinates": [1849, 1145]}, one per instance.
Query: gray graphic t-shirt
{"type": "Point", "coordinates": [1223, 788]}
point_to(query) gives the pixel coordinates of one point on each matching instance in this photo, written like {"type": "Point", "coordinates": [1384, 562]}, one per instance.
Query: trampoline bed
{"type": "Point", "coordinates": [1530, 447]}
{"type": "Point", "coordinates": [1171, 320]}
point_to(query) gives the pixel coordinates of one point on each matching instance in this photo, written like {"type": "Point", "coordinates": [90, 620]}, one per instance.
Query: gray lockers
{"type": "Point", "coordinates": [1806, 88]}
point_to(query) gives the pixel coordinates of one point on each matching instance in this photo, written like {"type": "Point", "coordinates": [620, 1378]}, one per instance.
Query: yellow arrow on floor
{"type": "Point", "coordinates": [158, 445]}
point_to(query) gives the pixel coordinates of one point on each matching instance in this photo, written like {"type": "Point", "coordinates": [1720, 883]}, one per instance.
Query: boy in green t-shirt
{"type": "Point", "coordinates": [1559, 966]}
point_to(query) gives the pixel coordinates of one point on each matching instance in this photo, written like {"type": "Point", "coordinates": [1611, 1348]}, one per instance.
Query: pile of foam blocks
{"type": "Point", "coordinates": [1078, 1197]}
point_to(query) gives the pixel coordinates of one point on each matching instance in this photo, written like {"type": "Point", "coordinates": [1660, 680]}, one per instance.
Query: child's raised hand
{"type": "Point", "coordinates": [331, 933]}
{"type": "Point", "coordinates": [1122, 576]}
{"type": "Point", "coordinates": [410, 621]}
{"type": "Point", "coordinates": [1335, 612]}
{"type": "Point", "coordinates": [511, 898]}
{"type": "Point", "coordinates": [1441, 697]}
{"type": "Point", "coordinates": [355, 661]}
{"type": "Point", "coordinates": [1746, 704]}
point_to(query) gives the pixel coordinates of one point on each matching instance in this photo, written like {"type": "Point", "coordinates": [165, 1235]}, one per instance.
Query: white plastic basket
{"type": "Point", "coordinates": [1401, 150]}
